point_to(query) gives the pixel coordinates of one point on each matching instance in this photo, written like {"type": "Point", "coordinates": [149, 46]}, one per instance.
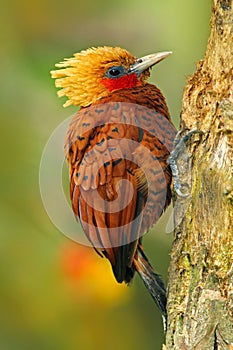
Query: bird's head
{"type": "Point", "coordinates": [92, 74]}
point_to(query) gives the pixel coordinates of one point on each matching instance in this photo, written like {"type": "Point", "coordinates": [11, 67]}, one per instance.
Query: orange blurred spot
{"type": "Point", "coordinates": [76, 260]}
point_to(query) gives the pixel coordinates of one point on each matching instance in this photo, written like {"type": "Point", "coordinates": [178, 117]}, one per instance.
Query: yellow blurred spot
{"type": "Point", "coordinates": [89, 276]}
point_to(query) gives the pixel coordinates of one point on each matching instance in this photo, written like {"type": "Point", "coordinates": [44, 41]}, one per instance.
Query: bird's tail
{"type": "Point", "coordinates": [152, 281]}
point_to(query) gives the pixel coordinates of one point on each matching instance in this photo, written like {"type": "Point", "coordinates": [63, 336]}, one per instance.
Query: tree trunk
{"type": "Point", "coordinates": [200, 287]}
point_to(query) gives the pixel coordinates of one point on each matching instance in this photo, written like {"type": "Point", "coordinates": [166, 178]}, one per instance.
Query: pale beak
{"type": "Point", "coordinates": [148, 61]}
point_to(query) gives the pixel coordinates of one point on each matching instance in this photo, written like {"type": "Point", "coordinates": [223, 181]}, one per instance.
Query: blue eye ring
{"type": "Point", "coordinates": [115, 72]}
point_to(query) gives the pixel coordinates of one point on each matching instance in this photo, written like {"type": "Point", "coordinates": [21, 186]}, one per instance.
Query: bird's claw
{"type": "Point", "coordinates": [179, 143]}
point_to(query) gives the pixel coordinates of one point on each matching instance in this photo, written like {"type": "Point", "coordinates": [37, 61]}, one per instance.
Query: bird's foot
{"type": "Point", "coordinates": [179, 147]}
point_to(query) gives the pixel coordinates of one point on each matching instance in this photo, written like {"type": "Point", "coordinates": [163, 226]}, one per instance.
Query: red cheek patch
{"type": "Point", "coordinates": [124, 82]}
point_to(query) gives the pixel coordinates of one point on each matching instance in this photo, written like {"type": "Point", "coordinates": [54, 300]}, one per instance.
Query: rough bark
{"type": "Point", "coordinates": [200, 288]}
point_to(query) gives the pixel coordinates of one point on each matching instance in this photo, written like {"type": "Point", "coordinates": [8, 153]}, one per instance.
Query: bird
{"type": "Point", "coordinates": [117, 147]}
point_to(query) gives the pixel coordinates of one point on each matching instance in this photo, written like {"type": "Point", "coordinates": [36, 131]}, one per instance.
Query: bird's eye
{"type": "Point", "coordinates": [115, 72]}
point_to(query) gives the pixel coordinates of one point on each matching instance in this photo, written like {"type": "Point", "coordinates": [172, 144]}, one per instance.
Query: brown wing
{"type": "Point", "coordinates": [117, 182]}
{"type": "Point", "coordinates": [152, 116]}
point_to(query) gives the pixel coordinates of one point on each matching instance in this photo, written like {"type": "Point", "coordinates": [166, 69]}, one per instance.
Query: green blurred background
{"type": "Point", "coordinates": [55, 294]}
